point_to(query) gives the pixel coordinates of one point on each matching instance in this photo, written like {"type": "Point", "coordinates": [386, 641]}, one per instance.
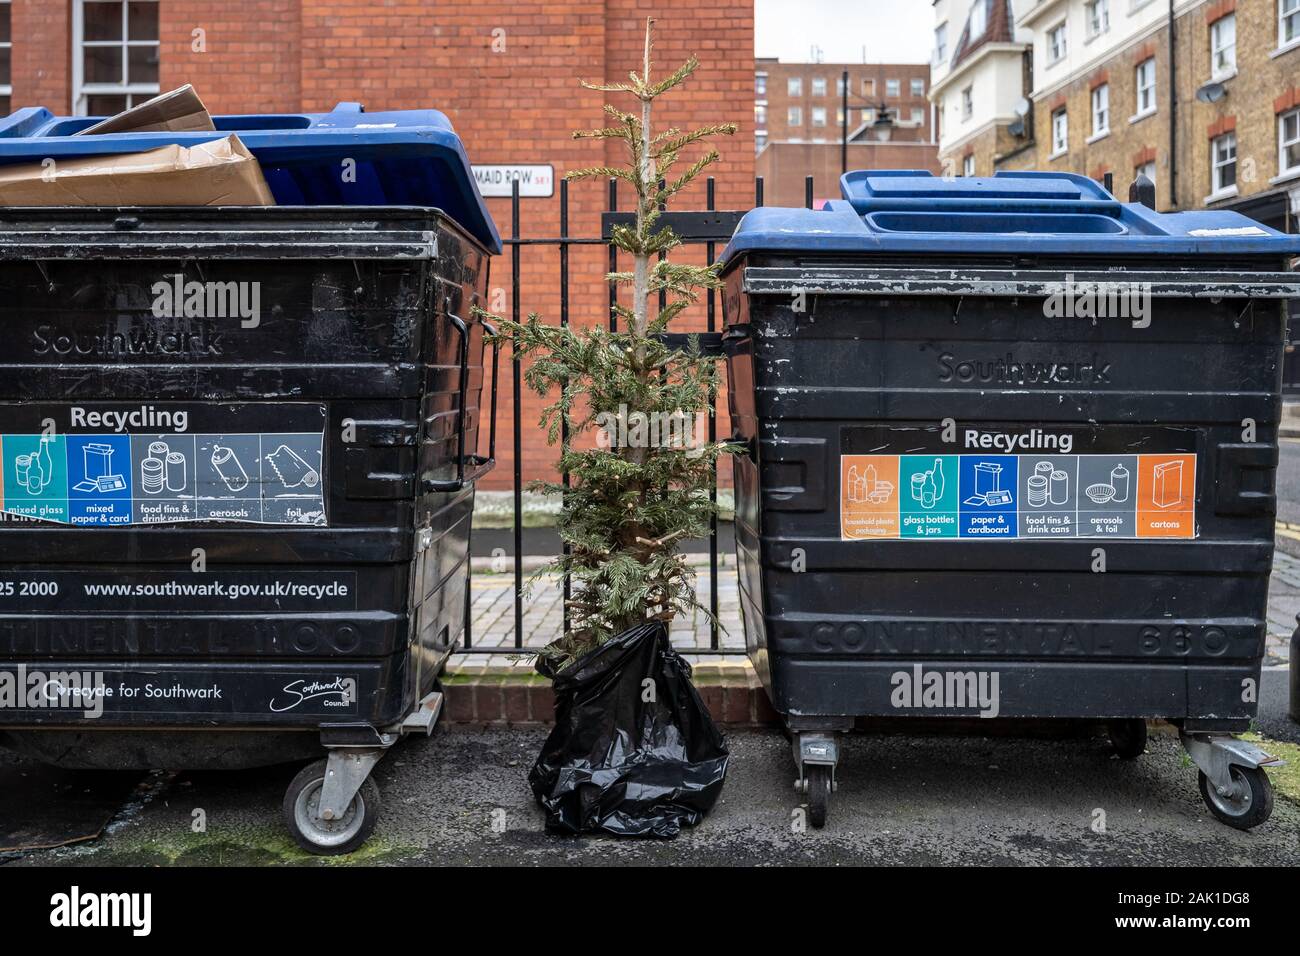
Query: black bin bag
{"type": "Point", "coordinates": [619, 763]}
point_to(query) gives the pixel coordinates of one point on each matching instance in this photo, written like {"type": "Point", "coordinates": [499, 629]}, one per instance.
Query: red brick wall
{"type": "Point", "coordinates": [513, 105]}
{"type": "Point", "coordinates": [245, 60]}
{"type": "Point", "coordinates": [42, 53]}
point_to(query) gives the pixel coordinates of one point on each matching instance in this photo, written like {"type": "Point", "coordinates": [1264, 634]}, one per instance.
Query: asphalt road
{"type": "Point", "coordinates": [461, 797]}
{"type": "Point", "coordinates": [1288, 491]}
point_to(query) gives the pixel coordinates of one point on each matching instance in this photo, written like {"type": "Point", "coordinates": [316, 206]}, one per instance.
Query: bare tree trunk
{"type": "Point", "coordinates": [641, 264]}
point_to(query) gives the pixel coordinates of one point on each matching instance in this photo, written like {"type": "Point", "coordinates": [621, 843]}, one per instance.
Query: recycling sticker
{"type": "Point", "coordinates": [121, 464]}
{"type": "Point", "coordinates": [1048, 493]}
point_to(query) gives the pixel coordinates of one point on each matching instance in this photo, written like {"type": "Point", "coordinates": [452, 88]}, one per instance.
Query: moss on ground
{"type": "Point", "coordinates": [1285, 779]}
{"type": "Point", "coordinates": [252, 847]}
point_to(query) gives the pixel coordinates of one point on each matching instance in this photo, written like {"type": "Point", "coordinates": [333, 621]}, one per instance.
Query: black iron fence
{"type": "Point", "coordinates": [709, 228]}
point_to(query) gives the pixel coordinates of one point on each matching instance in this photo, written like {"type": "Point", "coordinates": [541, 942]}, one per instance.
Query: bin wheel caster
{"type": "Point", "coordinates": [1128, 738]}
{"type": "Point", "coordinates": [1248, 806]}
{"type": "Point", "coordinates": [328, 837]}
{"type": "Point", "coordinates": [819, 777]}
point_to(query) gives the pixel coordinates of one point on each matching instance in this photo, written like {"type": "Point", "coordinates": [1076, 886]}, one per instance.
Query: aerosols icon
{"type": "Point", "coordinates": [228, 467]}
{"type": "Point", "coordinates": [1119, 480]}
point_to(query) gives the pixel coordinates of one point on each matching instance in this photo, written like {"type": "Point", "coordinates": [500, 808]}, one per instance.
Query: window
{"type": "Point", "coordinates": [760, 140]}
{"type": "Point", "coordinates": [1288, 22]}
{"type": "Point", "coordinates": [1223, 153]}
{"type": "Point", "coordinates": [868, 116]}
{"type": "Point", "coordinates": [839, 86]}
{"type": "Point", "coordinates": [1288, 134]}
{"type": "Point", "coordinates": [1101, 110]}
{"type": "Point", "coordinates": [1146, 169]}
{"type": "Point", "coordinates": [967, 102]}
{"type": "Point", "coordinates": [819, 116]}
{"type": "Point", "coordinates": [918, 86]}
{"type": "Point", "coordinates": [794, 116]}
{"type": "Point", "coordinates": [6, 49]}
{"type": "Point", "coordinates": [968, 165]}
{"type": "Point", "coordinates": [114, 55]}
{"type": "Point", "coordinates": [760, 84]}
{"type": "Point", "coordinates": [794, 86]}
{"type": "Point", "coordinates": [819, 86]}
{"type": "Point", "coordinates": [1097, 13]}
{"type": "Point", "coordinates": [979, 19]}
{"type": "Point", "coordinates": [892, 87]}
{"type": "Point", "coordinates": [1223, 46]}
{"type": "Point", "coordinates": [941, 44]}
{"type": "Point", "coordinates": [760, 116]}
{"type": "Point", "coordinates": [1060, 132]}
{"type": "Point", "coordinates": [839, 116]}
{"type": "Point", "coordinates": [868, 87]}
{"type": "Point", "coordinates": [1146, 86]}
{"type": "Point", "coordinates": [918, 116]}
{"type": "Point", "coordinates": [1056, 44]}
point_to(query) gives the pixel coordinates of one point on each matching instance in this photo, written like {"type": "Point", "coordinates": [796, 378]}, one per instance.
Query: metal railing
{"type": "Point", "coordinates": [709, 228]}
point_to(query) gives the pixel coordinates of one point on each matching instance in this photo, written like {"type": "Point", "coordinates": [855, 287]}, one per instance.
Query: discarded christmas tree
{"type": "Point", "coordinates": [644, 488]}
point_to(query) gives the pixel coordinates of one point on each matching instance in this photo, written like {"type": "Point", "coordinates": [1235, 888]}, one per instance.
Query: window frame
{"type": "Point", "coordinates": [1102, 24]}
{"type": "Point", "coordinates": [794, 86]}
{"type": "Point", "coordinates": [978, 27]}
{"type": "Point", "coordinates": [818, 82]}
{"type": "Point", "coordinates": [82, 91]}
{"type": "Point", "coordinates": [1102, 92]}
{"type": "Point", "coordinates": [916, 86]}
{"type": "Point", "coordinates": [1283, 16]}
{"type": "Point", "coordinates": [1061, 30]}
{"type": "Point", "coordinates": [941, 43]}
{"type": "Point", "coordinates": [896, 86]}
{"type": "Point", "coordinates": [814, 115]}
{"type": "Point", "coordinates": [1217, 188]}
{"type": "Point", "coordinates": [968, 165]}
{"type": "Point", "coordinates": [1141, 168]}
{"type": "Point", "coordinates": [1062, 114]}
{"type": "Point", "coordinates": [7, 89]}
{"type": "Point", "coordinates": [1138, 88]}
{"type": "Point", "coordinates": [794, 116]}
{"type": "Point", "coordinates": [967, 102]}
{"type": "Point", "coordinates": [1216, 28]}
{"type": "Point", "coordinates": [1282, 142]}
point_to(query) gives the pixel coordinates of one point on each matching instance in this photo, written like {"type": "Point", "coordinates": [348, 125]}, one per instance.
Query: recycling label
{"type": "Point", "coordinates": [107, 463]}
{"type": "Point", "coordinates": [1018, 483]}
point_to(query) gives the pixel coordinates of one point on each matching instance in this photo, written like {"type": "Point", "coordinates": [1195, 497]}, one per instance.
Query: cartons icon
{"type": "Point", "coordinates": [1167, 484]}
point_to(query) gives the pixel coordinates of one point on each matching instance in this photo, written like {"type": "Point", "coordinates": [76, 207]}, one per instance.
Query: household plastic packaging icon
{"type": "Point", "coordinates": [618, 763]}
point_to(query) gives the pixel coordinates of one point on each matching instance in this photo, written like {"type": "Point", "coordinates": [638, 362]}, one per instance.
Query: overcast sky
{"type": "Point", "coordinates": [893, 31]}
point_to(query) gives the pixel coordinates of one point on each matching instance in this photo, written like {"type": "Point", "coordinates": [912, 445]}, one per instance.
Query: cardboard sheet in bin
{"type": "Point", "coordinates": [177, 111]}
{"type": "Point", "coordinates": [221, 172]}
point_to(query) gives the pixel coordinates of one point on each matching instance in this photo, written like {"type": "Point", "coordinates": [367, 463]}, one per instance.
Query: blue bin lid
{"type": "Point", "coordinates": [1012, 212]}
{"type": "Point", "coordinates": [403, 158]}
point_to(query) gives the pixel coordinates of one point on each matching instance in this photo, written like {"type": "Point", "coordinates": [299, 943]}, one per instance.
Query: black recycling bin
{"type": "Point", "coordinates": [238, 453]}
{"type": "Point", "coordinates": [1011, 453]}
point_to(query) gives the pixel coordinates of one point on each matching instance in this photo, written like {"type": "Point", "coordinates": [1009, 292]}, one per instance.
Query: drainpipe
{"type": "Point", "coordinates": [1173, 115]}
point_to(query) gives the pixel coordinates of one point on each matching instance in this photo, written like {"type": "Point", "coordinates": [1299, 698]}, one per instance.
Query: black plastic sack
{"type": "Point", "coordinates": [617, 763]}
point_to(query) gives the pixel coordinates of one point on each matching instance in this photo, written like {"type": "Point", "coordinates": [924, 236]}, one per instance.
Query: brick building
{"type": "Point", "coordinates": [505, 73]}
{"type": "Point", "coordinates": [800, 122]}
{"type": "Point", "coordinates": [1203, 97]}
